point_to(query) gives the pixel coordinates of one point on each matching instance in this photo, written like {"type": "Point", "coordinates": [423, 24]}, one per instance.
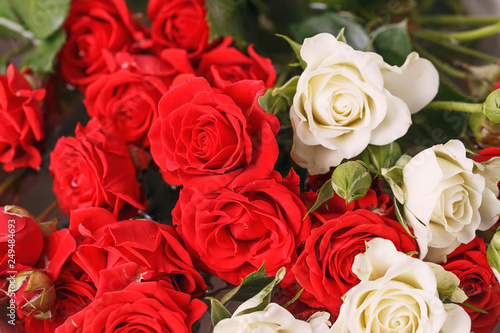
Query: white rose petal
{"type": "Point", "coordinates": [447, 198]}
{"type": "Point", "coordinates": [347, 99]}
{"type": "Point", "coordinates": [273, 318]}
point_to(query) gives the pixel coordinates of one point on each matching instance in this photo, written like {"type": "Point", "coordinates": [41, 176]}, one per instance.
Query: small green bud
{"type": "Point", "coordinates": [491, 106]}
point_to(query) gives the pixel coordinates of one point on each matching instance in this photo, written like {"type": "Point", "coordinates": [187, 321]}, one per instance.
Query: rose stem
{"type": "Point", "coordinates": [458, 48]}
{"type": "Point", "coordinates": [47, 211]}
{"type": "Point", "coordinates": [458, 19]}
{"type": "Point", "coordinates": [11, 179]}
{"type": "Point", "coordinates": [441, 65]}
{"type": "Point", "coordinates": [468, 35]}
{"type": "Point", "coordinates": [456, 106]}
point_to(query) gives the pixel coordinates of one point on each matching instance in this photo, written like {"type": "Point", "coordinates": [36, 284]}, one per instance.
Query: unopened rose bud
{"type": "Point", "coordinates": [486, 133]}
{"type": "Point", "coordinates": [491, 107]}
{"type": "Point", "coordinates": [21, 241]}
{"type": "Point", "coordinates": [34, 294]}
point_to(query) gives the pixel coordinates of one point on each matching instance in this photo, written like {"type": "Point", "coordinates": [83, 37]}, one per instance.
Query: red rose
{"type": "Point", "coordinates": [225, 65]}
{"type": "Point", "coordinates": [206, 140]}
{"type": "Point", "coordinates": [155, 248]}
{"type": "Point", "coordinates": [323, 269]}
{"type": "Point", "coordinates": [21, 241]}
{"type": "Point", "coordinates": [128, 100]}
{"type": "Point", "coordinates": [232, 231]}
{"type": "Point", "coordinates": [94, 169]}
{"type": "Point", "coordinates": [140, 307]}
{"type": "Point", "coordinates": [179, 24]}
{"type": "Point", "coordinates": [477, 280]}
{"type": "Point", "coordinates": [91, 27]}
{"type": "Point", "coordinates": [21, 122]}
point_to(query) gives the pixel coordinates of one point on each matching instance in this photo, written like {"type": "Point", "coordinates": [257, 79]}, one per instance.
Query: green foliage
{"type": "Point", "coordinates": [226, 18]}
{"type": "Point", "coordinates": [277, 100]}
{"type": "Point", "coordinates": [351, 181]}
{"type": "Point", "coordinates": [393, 43]}
{"type": "Point", "coordinates": [333, 23]}
{"type": "Point", "coordinates": [250, 285]}
{"type": "Point", "coordinates": [378, 157]}
{"type": "Point", "coordinates": [41, 17]}
{"type": "Point", "coordinates": [41, 57]}
{"type": "Point", "coordinates": [218, 311]}
{"type": "Point", "coordinates": [326, 192]}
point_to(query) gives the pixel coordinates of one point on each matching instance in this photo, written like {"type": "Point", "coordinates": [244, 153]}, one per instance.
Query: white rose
{"type": "Point", "coordinates": [446, 199]}
{"type": "Point", "coordinates": [347, 99]}
{"type": "Point", "coordinates": [273, 318]}
{"type": "Point", "coordinates": [397, 293]}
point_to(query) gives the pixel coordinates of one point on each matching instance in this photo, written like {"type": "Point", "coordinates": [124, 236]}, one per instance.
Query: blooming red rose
{"type": "Point", "coordinates": [155, 248]}
{"type": "Point", "coordinates": [224, 65]}
{"type": "Point", "coordinates": [21, 122]}
{"type": "Point", "coordinates": [128, 100]}
{"type": "Point", "coordinates": [21, 241]}
{"type": "Point", "coordinates": [91, 27]}
{"type": "Point", "coordinates": [207, 140]}
{"type": "Point", "coordinates": [477, 280]}
{"type": "Point", "coordinates": [94, 169]}
{"type": "Point", "coordinates": [323, 269]}
{"type": "Point", "coordinates": [140, 307]}
{"type": "Point", "coordinates": [179, 24]}
{"type": "Point", "coordinates": [232, 231]}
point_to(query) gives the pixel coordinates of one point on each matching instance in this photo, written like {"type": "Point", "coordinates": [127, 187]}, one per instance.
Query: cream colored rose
{"type": "Point", "coordinates": [446, 198]}
{"type": "Point", "coordinates": [397, 293]}
{"type": "Point", "coordinates": [273, 318]}
{"type": "Point", "coordinates": [347, 99]}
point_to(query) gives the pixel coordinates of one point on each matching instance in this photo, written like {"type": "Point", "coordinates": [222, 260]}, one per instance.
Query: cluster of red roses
{"type": "Point", "coordinates": [194, 105]}
{"type": "Point", "coordinates": [72, 279]}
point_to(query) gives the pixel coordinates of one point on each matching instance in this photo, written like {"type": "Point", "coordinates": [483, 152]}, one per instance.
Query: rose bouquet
{"type": "Point", "coordinates": [214, 166]}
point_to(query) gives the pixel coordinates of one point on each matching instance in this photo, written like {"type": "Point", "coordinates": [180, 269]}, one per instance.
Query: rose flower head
{"type": "Point", "coordinates": [91, 27]}
{"type": "Point", "coordinates": [397, 293]}
{"type": "Point", "coordinates": [347, 99]}
{"type": "Point", "coordinates": [94, 169]}
{"type": "Point", "coordinates": [232, 231]}
{"type": "Point", "coordinates": [21, 121]}
{"type": "Point", "coordinates": [206, 140]}
{"type": "Point", "coordinates": [447, 197]}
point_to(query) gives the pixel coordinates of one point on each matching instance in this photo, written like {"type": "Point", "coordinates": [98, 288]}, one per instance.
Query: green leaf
{"type": "Point", "coordinates": [296, 49]}
{"type": "Point", "coordinates": [393, 43]}
{"type": "Point", "coordinates": [226, 19]}
{"type": "Point", "coordinates": [250, 286]}
{"type": "Point", "coordinates": [42, 17]}
{"type": "Point", "coordinates": [475, 308]}
{"type": "Point", "coordinates": [9, 24]}
{"type": "Point", "coordinates": [333, 23]}
{"type": "Point", "coordinates": [379, 157]}
{"type": "Point", "coordinates": [41, 57]}
{"type": "Point", "coordinates": [260, 301]}
{"type": "Point", "coordinates": [447, 285]}
{"type": "Point", "coordinates": [279, 99]}
{"type": "Point", "coordinates": [399, 216]}
{"type": "Point", "coordinates": [351, 181]}
{"type": "Point", "coordinates": [296, 297]}
{"type": "Point", "coordinates": [325, 192]}
{"type": "Point", "coordinates": [218, 311]}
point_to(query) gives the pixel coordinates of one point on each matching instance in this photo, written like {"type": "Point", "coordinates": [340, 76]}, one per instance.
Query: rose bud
{"type": "Point", "coordinates": [34, 294]}
{"type": "Point", "coordinates": [21, 241]}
